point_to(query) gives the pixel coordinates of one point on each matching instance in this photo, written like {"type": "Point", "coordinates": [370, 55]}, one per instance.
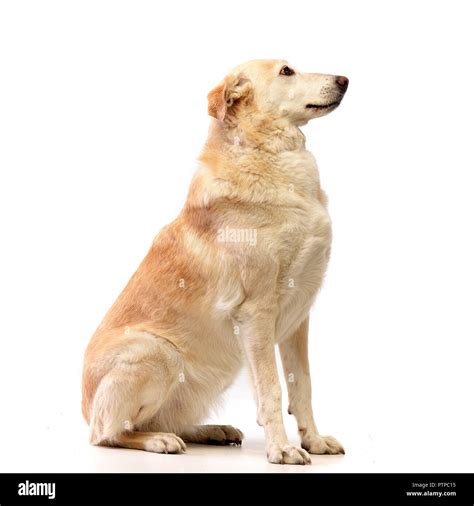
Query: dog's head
{"type": "Point", "coordinates": [277, 90]}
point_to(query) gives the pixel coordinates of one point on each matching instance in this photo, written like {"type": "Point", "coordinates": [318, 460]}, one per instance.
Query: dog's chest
{"type": "Point", "coordinates": [305, 241]}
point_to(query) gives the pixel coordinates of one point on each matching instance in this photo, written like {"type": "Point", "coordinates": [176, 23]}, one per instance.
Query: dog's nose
{"type": "Point", "coordinates": [342, 82]}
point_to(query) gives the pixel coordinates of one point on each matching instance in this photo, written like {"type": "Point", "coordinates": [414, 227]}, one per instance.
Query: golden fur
{"type": "Point", "coordinates": [234, 275]}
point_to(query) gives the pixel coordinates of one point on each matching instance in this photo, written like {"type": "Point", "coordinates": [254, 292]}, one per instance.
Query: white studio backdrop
{"type": "Point", "coordinates": [102, 114]}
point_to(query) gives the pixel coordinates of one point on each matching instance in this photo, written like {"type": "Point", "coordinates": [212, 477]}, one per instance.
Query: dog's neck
{"type": "Point", "coordinates": [251, 133]}
{"type": "Point", "coordinates": [236, 155]}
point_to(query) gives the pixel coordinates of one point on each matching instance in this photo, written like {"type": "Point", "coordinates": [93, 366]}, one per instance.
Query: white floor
{"type": "Point", "coordinates": [59, 451]}
{"type": "Point", "coordinates": [56, 441]}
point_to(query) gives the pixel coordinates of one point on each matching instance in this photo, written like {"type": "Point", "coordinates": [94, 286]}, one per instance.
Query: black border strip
{"type": "Point", "coordinates": [237, 489]}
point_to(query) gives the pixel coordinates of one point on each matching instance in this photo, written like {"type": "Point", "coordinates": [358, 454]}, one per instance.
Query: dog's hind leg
{"type": "Point", "coordinates": [212, 435]}
{"type": "Point", "coordinates": [144, 369]}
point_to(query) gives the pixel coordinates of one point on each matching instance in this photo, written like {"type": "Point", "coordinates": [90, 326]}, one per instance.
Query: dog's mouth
{"type": "Point", "coordinates": [324, 106]}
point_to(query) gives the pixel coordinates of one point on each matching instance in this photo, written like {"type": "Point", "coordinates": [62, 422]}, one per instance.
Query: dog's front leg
{"type": "Point", "coordinates": [259, 344]}
{"type": "Point", "coordinates": [294, 356]}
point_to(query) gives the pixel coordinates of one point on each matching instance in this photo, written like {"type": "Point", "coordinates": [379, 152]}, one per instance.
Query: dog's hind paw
{"type": "Point", "coordinates": [213, 435]}
{"type": "Point", "coordinates": [164, 443]}
{"type": "Point", "coordinates": [322, 445]}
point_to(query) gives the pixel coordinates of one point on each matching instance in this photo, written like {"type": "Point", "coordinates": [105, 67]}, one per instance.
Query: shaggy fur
{"type": "Point", "coordinates": [234, 275]}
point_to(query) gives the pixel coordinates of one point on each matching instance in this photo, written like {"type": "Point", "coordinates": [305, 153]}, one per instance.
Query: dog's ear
{"type": "Point", "coordinates": [227, 93]}
{"type": "Point", "coordinates": [216, 102]}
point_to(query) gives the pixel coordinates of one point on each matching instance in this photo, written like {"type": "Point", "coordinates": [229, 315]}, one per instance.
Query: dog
{"type": "Point", "coordinates": [232, 277]}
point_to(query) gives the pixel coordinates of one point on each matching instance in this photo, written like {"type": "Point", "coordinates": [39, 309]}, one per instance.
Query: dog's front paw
{"type": "Point", "coordinates": [322, 445]}
{"type": "Point", "coordinates": [287, 455]}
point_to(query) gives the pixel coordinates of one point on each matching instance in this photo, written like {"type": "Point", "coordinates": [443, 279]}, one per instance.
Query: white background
{"type": "Point", "coordinates": [102, 114]}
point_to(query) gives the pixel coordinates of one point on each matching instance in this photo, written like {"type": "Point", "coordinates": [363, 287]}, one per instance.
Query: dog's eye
{"type": "Point", "coordinates": [286, 71]}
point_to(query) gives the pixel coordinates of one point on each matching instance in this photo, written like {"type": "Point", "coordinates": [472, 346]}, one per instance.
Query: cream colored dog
{"type": "Point", "coordinates": [234, 275]}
